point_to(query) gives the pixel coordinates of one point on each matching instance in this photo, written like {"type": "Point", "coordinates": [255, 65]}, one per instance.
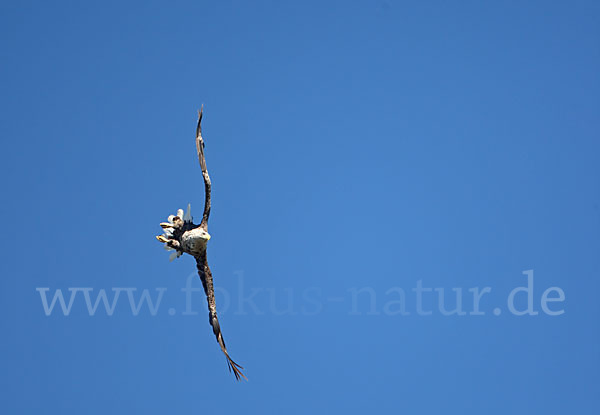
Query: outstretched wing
{"type": "Point", "coordinates": [205, 176]}
{"type": "Point", "coordinates": [207, 283]}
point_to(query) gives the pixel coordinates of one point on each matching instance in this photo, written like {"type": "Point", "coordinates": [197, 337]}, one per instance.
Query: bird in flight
{"type": "Point", "coordinates": [182, 236]}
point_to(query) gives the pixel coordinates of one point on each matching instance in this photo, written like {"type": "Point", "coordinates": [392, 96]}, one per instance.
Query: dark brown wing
{"type": "Point", "coordinates": [207, 283]}
{"type": "Point", "coordinates": [205, 176]}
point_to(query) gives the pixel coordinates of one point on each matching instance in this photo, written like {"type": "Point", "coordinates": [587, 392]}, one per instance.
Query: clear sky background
{"type": "Point", "coordinates": [352, 145]}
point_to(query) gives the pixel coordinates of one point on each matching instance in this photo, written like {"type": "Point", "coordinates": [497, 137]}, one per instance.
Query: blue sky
{"type": "Point", "coordinates": [358, 150]}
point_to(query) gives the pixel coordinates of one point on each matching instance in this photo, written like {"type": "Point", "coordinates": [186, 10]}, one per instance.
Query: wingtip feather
{"type": "Point", "coordinates": [236, 369]}
{"type": "Point", "coordinates": [230, 362]}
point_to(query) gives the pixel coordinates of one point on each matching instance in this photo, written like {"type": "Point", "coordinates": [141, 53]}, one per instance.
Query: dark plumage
{"type": "Point", "coordinates": [207, 283]}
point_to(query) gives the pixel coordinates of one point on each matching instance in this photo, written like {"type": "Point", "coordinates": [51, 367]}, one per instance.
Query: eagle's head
{"type": "Point", "coordinates": [194, 241]}
{"type": "Point", "coordinates": [181, 235]}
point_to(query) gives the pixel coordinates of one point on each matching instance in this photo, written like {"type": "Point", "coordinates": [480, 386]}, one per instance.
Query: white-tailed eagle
{"type": "Point", "coordinates": [182, 236]}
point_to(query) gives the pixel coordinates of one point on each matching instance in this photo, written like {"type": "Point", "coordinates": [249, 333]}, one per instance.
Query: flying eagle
{"type": "Point", "coordinates": [181, 236]}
